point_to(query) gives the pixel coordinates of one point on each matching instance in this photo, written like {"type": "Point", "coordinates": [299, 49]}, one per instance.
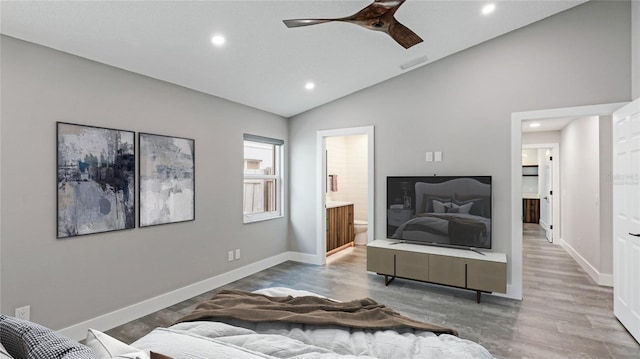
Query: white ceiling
{"type": "Point", "coordinates": [551, 124]}
{"type": "Point", "coordinates": [263, 63]}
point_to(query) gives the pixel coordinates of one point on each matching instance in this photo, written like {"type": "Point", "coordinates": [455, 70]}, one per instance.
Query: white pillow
{"type": "Point", "coordinates": [465, 208]}
{"type": "Point", "coordinates": [3, 353]}
{"type": "Point", "coordinates": [108, 347]}
{"type": "Point", "coordinates": [439, 207]}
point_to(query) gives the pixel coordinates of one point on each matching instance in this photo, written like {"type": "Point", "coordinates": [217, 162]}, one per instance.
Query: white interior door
{"type": "Point", "coordinates": [626, 217]}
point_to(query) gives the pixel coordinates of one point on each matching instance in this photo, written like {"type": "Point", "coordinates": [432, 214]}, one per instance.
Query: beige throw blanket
{"type": "Point", "coordinates": [359, 314]}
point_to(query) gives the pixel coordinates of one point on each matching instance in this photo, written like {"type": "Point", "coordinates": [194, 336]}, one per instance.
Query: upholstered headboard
{"type": "Point", "coordinates": [456, 190]}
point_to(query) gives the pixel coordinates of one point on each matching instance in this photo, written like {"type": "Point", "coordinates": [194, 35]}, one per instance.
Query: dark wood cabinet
{"type": "Point", "coordinates": [339, 226]}
{"type": "Point", "coordinates": [531, 210]}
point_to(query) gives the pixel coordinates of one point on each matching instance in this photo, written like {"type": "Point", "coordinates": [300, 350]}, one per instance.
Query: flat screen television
{"type": "Point", "coordinates": [450, 211]}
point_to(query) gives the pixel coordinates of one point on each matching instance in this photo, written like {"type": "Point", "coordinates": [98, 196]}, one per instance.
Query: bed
{"type": "Point", "coordinates": [274, 334]}
{"type": "Point", "coordinates": [456, 212]}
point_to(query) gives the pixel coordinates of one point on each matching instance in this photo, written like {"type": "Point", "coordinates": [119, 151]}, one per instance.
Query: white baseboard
{"type": "Point", "coordinates": [305, 258]}
{"type": "Point", "coordinates": [602, 279]}
{"type": "Point", "coordinates": [511, 293]}
{"type": "Point", "coordinates": [546, 228]}
{"type": "Point", "coordinates": [543, 224]}
{"type": "Point", "coordinates": [132, 312]}
{"type": "Point", "coordinates": [606, 280]}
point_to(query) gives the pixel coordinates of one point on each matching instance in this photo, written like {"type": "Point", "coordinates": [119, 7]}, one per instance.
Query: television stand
{"type": "Point", "coordinates": [460, 268]}
{"type": "Point", "coordinates": [473, 249]}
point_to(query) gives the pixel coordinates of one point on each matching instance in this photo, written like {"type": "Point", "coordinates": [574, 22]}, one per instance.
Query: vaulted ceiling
{"type": "Point", "coordinates": [263, 64]}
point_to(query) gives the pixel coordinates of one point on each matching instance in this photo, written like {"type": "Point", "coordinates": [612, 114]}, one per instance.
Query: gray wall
{"type": "Point", "coordinates": [462, 105]}
{"type": "Point", "coordinates": [605, 265]}
{"type": "Point", "coordinates": [580, 188]}
{"type": "Point", "coordinates": [635, 11]}
{"type": "Point", "coordinates": [587, 193]}
{"type": "Point", "coordinates": [72, 280]}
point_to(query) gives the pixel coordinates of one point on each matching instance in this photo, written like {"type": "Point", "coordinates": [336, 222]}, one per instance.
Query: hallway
{"type": "Point", "coordinates": [564, 307]}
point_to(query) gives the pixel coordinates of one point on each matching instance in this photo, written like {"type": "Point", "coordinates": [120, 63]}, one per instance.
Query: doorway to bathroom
{"type": "Point", "coordinates": [541, 188]}
{"type": "Point", "coordinates": [345, 189]}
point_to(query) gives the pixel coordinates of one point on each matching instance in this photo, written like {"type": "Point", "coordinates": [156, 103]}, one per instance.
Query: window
{"type": "Point", "coordinates": [262, 193]}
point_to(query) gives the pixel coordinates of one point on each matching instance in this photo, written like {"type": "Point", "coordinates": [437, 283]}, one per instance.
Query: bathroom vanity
{"type": "Point", "coordinates": [340, 231]}
{"type": "Point", "coordinates": [530, 208]}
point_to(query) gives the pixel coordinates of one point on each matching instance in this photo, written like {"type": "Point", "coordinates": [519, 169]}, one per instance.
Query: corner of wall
{"type": "Point", "coordinates": [635, 49]}
{"type": "Point", "coordinates": [603, 279]}
{"type": "Point", "coordinates": [606, 194]}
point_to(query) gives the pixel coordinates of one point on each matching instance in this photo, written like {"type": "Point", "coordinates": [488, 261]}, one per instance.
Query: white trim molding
{"type": "Point", "coordinates": [515, 258]}
{"type": "Point", "coordinates": [511, 293]}
{"type": "Point", "coordinates": [600, 278]}
{"type": "Point", "coordinates": [556, 205]}
{"type": "Point", "coordinates": [321, 184]}
{"type": "Point", "coordinates": [138, 310]}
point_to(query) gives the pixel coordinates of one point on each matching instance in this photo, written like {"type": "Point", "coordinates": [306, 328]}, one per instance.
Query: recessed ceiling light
{"type": "Point", "coordinates": [534, 125]}
{"type": "Point", "coordinates": [488, 9]}
{"type": "Point", "coordinates": [309, 85]}
{"type": "Point", "coordinates": [218, 40]}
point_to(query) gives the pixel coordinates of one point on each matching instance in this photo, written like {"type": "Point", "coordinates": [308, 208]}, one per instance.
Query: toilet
{"type": "Point", "coordinates": [360, 229]}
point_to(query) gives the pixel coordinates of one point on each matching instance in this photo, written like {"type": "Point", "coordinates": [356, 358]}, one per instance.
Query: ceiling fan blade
{"type": "Point", "coordinates": [371, 12]}
{"type": "Point", "coordinates": [378, 16]}
{"type": "Point", "coordinates": [305, 22]}
{"type": "Point", "coordinates": [403, 35]}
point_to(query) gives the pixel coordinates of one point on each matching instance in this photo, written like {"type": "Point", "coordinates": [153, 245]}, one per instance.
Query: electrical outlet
{"type": "Point", "coordinates": [23, 312]}
{"type": "Point", "coordinates": [230, 256]}
{"type": "Point", "coordinates": [237, 254]}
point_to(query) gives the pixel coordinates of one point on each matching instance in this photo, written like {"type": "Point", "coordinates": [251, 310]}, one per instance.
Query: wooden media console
{"type": "Point", "coordinates": [447, 266]}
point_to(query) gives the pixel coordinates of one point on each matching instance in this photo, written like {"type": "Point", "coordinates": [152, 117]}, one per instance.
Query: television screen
{"type": "Point", "coordinates": [440, 210]}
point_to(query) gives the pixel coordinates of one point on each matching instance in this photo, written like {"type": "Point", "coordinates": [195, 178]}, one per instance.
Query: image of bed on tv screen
{"type": "Point", "coordinates": [440, 210]}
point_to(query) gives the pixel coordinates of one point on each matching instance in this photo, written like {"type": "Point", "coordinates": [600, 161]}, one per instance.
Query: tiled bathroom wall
{"type": "Point", "coordinates": [347, 158]}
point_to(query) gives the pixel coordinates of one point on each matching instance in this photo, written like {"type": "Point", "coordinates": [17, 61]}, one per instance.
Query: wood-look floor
{"type": "Point", "coordinates": [564, 314]}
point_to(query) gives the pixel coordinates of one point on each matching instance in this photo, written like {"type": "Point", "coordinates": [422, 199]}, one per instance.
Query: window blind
{"type": "Point", "coordinates": [256, 138]}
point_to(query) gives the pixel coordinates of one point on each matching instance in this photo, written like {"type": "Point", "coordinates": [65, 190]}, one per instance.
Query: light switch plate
{"type": "Point", "coordinates": [429, 157]}
{"type": "Point", "coordinates": [438, 156]}
{"type": "Point", "coordinates": [230, 256]}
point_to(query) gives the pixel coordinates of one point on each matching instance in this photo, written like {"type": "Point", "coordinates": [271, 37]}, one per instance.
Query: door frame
{"type": "Point", "coordinates": [555, 153]}
{"type": "Point", "coordinates": [515, 289]}
{"type": "Point", "coordinates": [321, 185]}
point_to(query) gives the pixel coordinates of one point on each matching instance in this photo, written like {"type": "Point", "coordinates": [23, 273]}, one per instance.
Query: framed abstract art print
{"type": "Point", "coordinates": [167, 179]}
{"type": "Point", "coordinates": [95, 179]}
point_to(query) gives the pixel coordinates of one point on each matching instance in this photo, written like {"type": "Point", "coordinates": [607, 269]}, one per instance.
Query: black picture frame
{"type": "Point", "coordinates": [166, 183]}
{"type": "Point", "coordinates": [95, 179]}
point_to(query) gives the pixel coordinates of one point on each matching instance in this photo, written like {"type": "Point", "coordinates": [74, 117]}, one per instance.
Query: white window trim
{"type": "Point", "coordinates": [279, 177]}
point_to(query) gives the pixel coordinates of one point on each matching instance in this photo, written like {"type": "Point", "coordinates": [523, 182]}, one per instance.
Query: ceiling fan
{"type": "Point", "coordinates": [376, 16]}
